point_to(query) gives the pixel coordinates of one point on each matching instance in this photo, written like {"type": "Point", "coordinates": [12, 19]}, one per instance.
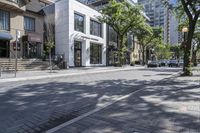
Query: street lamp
{"type": "Point", "coordinates": [184, 30]}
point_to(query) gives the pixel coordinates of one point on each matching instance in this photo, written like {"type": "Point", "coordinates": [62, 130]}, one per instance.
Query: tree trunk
{"type": "Point", "coordinates": [50, 63]}
{"type": "Point", "coordinates": [120, 50]}
{"type": "Point", "coordinates": [187, 71]}
{"type": "Point", "coordinates": [143, 55]}
{"type": "Point", "coordinates": [194, 58]}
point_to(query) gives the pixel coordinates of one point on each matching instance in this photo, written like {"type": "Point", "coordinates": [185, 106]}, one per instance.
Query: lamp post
{"type": "Point", "coordinates": [184, 30]}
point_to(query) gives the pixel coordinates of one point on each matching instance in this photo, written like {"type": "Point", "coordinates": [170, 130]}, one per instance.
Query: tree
{"type": "Point", "coordinates": [188, 11]}
{"type": "Point", "coordinates": [195, 47]}
{"type": "Point", "coordinates": [162, 51]}
{"type": "Point", "coordinates": [177, 51]}
{"type": "Point", "coordinates": [122, 17]}
{"type": "Point", "coordinates": [148, 37]}
{"type": "Point", "coordinates": [49, 45]}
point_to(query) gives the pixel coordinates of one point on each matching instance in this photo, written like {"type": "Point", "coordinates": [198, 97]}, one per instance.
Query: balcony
{"type": "Point", "coordinates": [16, 5]}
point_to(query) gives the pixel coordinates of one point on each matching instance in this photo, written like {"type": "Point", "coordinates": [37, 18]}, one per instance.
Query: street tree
{"type": "Point", "coordinates": [148, 37]}
{"type": "Point", "coordinates": [122, 17]}
{"type": "Point", "coordinates": [195, 47]}
{"type": "Point", "coordinates": [162, 51]}
{"type": "Point", "coordinates": [177, 51]}
{"type": "Point", "coordinates": [188, 11]}
{"type": "Point", "coordinates": [49, 45]}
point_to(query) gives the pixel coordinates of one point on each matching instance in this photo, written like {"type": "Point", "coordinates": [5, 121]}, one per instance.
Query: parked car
{"type": "Point", "coordinates": [181, 62]}
{"type": "Point", "coordinates": [163, 62]}
{"type": "Point", "coordinates": [153, 64]}
{"type": "Point", "coordinates": [173, 63]}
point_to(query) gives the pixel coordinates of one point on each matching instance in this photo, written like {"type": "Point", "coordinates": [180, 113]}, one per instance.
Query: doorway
{"type": "Point", "coordinates": [31, 50]}
{"type": "Point", "coordinates": [77, 54]}
{"type": "Point", "coordinates": [4, 49]}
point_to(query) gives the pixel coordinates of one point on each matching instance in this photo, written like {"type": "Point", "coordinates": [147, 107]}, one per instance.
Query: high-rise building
{"type": "Point", "coordinates": [161, 16]}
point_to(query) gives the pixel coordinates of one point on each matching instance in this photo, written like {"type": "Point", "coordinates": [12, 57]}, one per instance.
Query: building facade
{"type": "Point", "coordinates": [78, 35]}
{"type": "Point", "coordinates": [161, 16]}
{"type": "Point", "coordinates": [133, 53]}
{"type": "Point", "coordinates": [21, 16]}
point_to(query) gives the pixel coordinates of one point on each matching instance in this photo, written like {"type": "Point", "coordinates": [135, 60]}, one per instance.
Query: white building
{"type": "Point", "coordinates": [79, 35]}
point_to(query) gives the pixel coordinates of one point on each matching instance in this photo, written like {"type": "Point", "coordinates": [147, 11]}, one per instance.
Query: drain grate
{"type": "Point", "coordinates": [56, 118]}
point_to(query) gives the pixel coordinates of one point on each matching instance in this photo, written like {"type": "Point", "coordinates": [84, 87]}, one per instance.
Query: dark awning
{"type": "Point", "coordinates": [5, 36]}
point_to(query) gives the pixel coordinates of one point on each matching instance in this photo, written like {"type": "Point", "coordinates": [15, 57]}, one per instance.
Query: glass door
{"type": "Point", "coordinates": [77, 54]}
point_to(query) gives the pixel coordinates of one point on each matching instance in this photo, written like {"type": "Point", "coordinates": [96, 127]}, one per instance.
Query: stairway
{"type": "Point", "coordinates": [23, 64]}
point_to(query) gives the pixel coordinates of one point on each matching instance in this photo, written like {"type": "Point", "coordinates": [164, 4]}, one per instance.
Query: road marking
{"type": "Point", "coordinates": [99, 108]}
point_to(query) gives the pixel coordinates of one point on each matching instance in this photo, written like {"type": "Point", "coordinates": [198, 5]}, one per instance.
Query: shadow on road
{"type": "Point", "coordinates": [165, 105]}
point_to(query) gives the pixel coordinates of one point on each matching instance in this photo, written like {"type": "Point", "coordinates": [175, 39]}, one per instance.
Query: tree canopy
{"type": "Point", "coordinates": [148, 37]}
{"type": "Point", "coordinates": [188, 13]}
{"type": "Point", "coordinates": [122, 17]}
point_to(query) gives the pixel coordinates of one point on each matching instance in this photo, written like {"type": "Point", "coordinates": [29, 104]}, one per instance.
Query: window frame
{"type": "Point", "coordinates": [83, 23]}
{"type": "Point", "coordinates": [92, 21]}
{"type": "Point", "coordinates": [8, 23]}
{"type": "Point", "coordinates": [29, 18]}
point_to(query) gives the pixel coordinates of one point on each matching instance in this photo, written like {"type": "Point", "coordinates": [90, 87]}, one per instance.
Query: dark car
{"type": "Point", "coordinates": [163, 63]}
{"type": "Point", "coordinates": [173, 63]}
{"type": "Point", "coordinates": [153, 64]}
{"type": "Point", "coordinates": [181, 62]}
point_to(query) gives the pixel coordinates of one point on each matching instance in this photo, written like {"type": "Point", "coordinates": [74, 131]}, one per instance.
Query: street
{"type": "Point", "coordinates": [142, 101]}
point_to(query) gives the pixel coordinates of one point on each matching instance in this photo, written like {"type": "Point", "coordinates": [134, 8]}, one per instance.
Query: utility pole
{"type": "Point", "coordinates": [16, 50]}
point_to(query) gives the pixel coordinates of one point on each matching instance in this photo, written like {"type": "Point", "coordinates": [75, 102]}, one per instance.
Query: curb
{"type": "Point", "coordinates": [68, 74]}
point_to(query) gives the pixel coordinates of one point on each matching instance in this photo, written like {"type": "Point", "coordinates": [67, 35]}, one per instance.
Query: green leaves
{"type": "Point", "coordinates": [121, 16]}
{"type": "Point", "coordinates": [50, 44]}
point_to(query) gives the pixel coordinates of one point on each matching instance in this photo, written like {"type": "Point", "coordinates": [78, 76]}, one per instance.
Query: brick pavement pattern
{"type": "Point", "coordinates": [38, 105]}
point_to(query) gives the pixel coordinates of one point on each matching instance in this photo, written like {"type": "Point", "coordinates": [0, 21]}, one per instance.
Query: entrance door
{"type": "Point", "coordinates": [77, 54]}
{"type": "Point", "coordinates": [4, 49]}
{"type": "Point", "coordinates": [31, 50]}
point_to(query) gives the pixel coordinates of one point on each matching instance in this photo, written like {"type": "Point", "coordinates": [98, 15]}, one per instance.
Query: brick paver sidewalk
{"type": "Point", "coordinates": [169, 106]}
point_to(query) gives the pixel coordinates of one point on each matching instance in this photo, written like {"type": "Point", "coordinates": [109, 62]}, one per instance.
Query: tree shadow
{"type": "Point", "coordinates": [167, 106]}
{"type": "Point", "coordinates": [37, 107]}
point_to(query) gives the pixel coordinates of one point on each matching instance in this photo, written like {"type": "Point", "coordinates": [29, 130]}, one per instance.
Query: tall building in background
{"type": "Point", "coordinates": [161, 16]}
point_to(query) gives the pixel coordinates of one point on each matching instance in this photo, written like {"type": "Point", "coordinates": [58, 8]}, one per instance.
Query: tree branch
{"type": "Point", "coordinates": [185, 6]}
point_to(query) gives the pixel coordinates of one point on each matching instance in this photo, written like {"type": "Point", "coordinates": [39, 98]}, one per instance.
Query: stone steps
{"type": "Point", "coordinates": [24, 64]}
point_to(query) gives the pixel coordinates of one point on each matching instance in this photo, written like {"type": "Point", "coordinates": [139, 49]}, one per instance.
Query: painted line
{"type": "Point", "coordinates": [100, 108]}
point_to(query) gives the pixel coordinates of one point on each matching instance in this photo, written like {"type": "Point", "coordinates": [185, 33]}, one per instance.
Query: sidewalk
{"type": "Point", "coordinates": [31, 75]}
{"type": "Point", "coordinates": [171, 105]}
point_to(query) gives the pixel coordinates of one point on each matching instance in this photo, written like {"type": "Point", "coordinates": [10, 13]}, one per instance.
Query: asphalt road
{"type": "Point", "coordinates": [39, 105]}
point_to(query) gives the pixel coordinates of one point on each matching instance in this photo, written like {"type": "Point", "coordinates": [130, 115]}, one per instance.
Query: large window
{"type": "Point", "coordinates": [95, 53]}
{"type": "Point", "coordinates": [112, 35]}
{"type": "Point", "coordinates": [78, 22]}
{"type": "Point", "coordinates": [4, 20]}
{"type": "Point", "coordinates": [29, 24]}
{"type": "Point", "coordinates": [95, 28]}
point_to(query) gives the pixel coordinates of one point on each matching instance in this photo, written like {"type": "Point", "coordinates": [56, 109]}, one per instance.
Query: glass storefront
{"type": "Point", "coordinates": [95, 53]}
{"type": "Point", "coordinates": [77, 54]}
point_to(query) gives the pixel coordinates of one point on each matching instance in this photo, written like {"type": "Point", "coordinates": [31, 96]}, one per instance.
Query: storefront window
{"type": "Point", "coordinates": [95, 28]}
{"type": "Point", "coordinates": [29, 24]}
{"type": "Point", "coordinates": [4, 20]}
{"type": "Point", "coordinates": [95, 53]}
{"type": "Point", "coordinates": [78, 22]}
